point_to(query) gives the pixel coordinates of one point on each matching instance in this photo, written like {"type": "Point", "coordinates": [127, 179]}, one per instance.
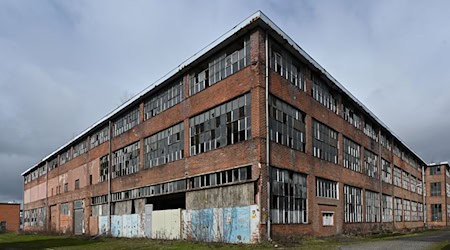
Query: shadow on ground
{"type": "Point", "coordinates": [43, 244]}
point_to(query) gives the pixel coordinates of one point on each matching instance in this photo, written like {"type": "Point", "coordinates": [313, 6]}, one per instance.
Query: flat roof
{"type": "Point", "coordinates": [251, 19]}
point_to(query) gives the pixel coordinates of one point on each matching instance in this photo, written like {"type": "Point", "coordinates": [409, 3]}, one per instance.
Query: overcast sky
{"type": "Point", "coordinates": [66, 64]}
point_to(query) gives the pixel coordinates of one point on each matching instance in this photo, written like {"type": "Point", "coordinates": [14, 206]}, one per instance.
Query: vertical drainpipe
{"type": "Point", "coordinates": [424, 208]}
{"type": "Point", "coordinates": [47, 207]}
{"type": "Point", "coordinates": [267, 135]}
{"type": "Point", "coordinates": [109, 178]}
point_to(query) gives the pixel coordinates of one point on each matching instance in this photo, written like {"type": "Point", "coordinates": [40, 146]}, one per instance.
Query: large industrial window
{"type": "Point", "coordinates": [322, 93]}
{"type": "Point", "coordinates": [125, 161]}
{"type": "Point", "coordinates": [288, 197]}
{"type": "Point", "coordinates": [419, 186]}
{"type": "Point", "coordinates": [325, 142]}
{"type": "Point", "coordinates": [284, 64]}
{"type": "Point", "coordinates": [435, 170]}
{"type": "Point", "coordinates": [221, 178]}
{"type": "Point", "coordinates": [435, 189]}
{"type": "Point", "coordinates": [80, 148]}
{"type": "Point", "coordinates": [414, 215]}
{"type": "Point", "coordinates": [405, 178]}
{"type": "Point", "coordinates": [448, 189]}
{"type": "Point", "coordinates": [398, 212]}
{"type": "Point", "coordinates": [224, 125]}
{"type": "Point", "coordinates": [353, 204]}
{"type": "Point", "coordinates": [420, 211]}
{"type": "Point", "coordinates": [370, 164]}
{"type": "Point", "coordinates": [407, 210]}
{"type": "Point", "coordinates": [52, 164]}
{"type": "Point", "coordinates": [397, 176]}
{"type": "Point", "coordinates": [99, 137]}
{"type": "Point", "coordinates": [436, 212]}
{"type": "Point", "coordinates": [372, 206]}
{"type": "Point", "coordinates": [370, 131]}
{"type": "Point", "coordinates": [65, 157]}
{"type": "Point", "coordinates": [164, 99]}
{"type": "Point", "coordinates": [286, 124]}
{"type": "Point", "coordinates": [126, 122]}
{"type": "Point", "coordinates": [413, 183]}
{"type": "Point", "coordinates": [326, 188]}
{"type": "Point", "coordinates": [385, 142]}
{"type": "Point", "coordinates": [386, 171]}
{"type": "Point", "coordinates": [387, 208]}
{"type": "Point", "coordinates": [352, 155]}
{"type": "Point", "coordinates": [104, 164]}
{"type": "Point", "coordinates": [351, 116]}
{"type": "Point", "coordinates": [221, 67]}
{"type": "Point", "coordinates": [164, 147]}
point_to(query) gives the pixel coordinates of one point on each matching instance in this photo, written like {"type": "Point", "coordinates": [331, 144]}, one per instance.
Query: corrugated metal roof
{"type": "Point", "coordinates": [256, 16]}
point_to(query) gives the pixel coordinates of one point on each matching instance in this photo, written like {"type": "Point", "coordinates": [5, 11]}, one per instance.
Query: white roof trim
{"type": "Point", "coordinates": [247, 21]}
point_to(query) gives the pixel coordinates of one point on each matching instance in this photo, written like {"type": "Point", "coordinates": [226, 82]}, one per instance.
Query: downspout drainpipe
{"type": "Point", "coordinates": [267, 137]}
{"type": "Point", "coordinates": [424, 208]}
{"type": "Point", "coordinates": [109, 179]}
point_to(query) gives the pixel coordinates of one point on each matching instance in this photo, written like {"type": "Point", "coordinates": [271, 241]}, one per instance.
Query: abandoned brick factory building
{"type": "Point", "coordinates": [250, 139]}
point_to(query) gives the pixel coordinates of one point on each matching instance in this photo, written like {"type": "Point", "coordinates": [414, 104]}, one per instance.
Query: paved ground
{"type": "Point", "coordinates": [420, 242]}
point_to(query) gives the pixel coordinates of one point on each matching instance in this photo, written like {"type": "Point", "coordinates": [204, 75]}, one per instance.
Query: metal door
{"type": "Point", "coordinates": [78, 217]}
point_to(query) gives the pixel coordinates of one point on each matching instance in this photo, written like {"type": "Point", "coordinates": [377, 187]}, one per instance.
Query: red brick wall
{"type": "Point", "coordinates": [11, 214]}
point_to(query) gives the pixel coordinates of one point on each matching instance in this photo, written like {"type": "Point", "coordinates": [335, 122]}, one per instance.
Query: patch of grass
{"type": "Point", "coordinates": [18, 241]}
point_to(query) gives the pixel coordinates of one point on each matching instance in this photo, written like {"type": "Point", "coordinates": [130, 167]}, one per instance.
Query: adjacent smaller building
{"type": "Point", "coordinates": [9, 217]}
{"type": "Point", "coordinates": [438, 194]}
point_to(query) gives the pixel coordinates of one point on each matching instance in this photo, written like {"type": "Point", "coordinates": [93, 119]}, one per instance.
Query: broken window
{"type": "Point", "coordinates": [448, 189]}
{"type": "Point", "coordinates": [164, 147]}
{"type": "Point", "coordinates": [419, 186]}
{"type": "Point", "coordinates": [65, 157]}
{"type": "Point", "coordinates": [413, 183]}
{"type": "Point", "coordinates": [435, 170]}
{"type": "Point", "coordinates": [80, 148]}
{"type": "Point", "coordinates": [97, 200]}
{"type": "Point", "coordinates": [352, 155]}
{"type": "Point", "coordinates": [349, 114]}
{"type": "Point", "coordinates": [398, 212]}
{"type": "Point", "coordinates": [223, 125]}
{"type": "Point", "coordinates": [104, 164]}
{"type": "Point", "coordinates": [386, 171]}
{"type": "Point", "coordinates": [125, 161]}
{"type": "Point", "coordinates": [353, 204]}
{"type": "Point", "coordinates": [164, 99]}
{"type": "Point", "coordinates": [385, 142]}
{"type": "Point", "coordinates": [436, 212]}
{"type": "Point", "coordinates": [435, 189]}
{"type": "Point", "coordinates": [407, 210]}
{"type": "Point", "coordinates": [322, 93]}
{"type": "Point", "coordinates": [387, 208]}
{"type": "Point", "coordinates": [397, 176]}
{"type": "Point", "coordinates": [370, 164]}
{"type": "Point", "coordinates": [285, 65]}
{"type": "Point", "coordinates": [370, 131]}
{"type": "Point", "coordinates": [220, 178]}
{"type": "Point", "coordinates": [52, 164]}
{"type": "Point", "coordinates": [288, 197]}
{"type": "Point", "coordinates": [397, 151]}
{"type": "Point", "coordinates": [286, 124]}
{"type": "Point", "coordinates": [126, 122]}
{"type": "Point", "coordinates": [99, 137]}
{"type": "Point", "coordinates": [221, 67]}
{"type": "Point", "coordinates": [66, 187]}
{"type": "Point", "coordinates": [414, 215]}
{"type": "Point", "coordinates": [326, 188]}
{"type": "Point", "coordinates": [324, 142]}
{"type": "Point", "coordinates": [419, 211]}
{"type": "Point", "coordinates": [405, 178]}
{"type": "Point", "coordinates": [372, 206]}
